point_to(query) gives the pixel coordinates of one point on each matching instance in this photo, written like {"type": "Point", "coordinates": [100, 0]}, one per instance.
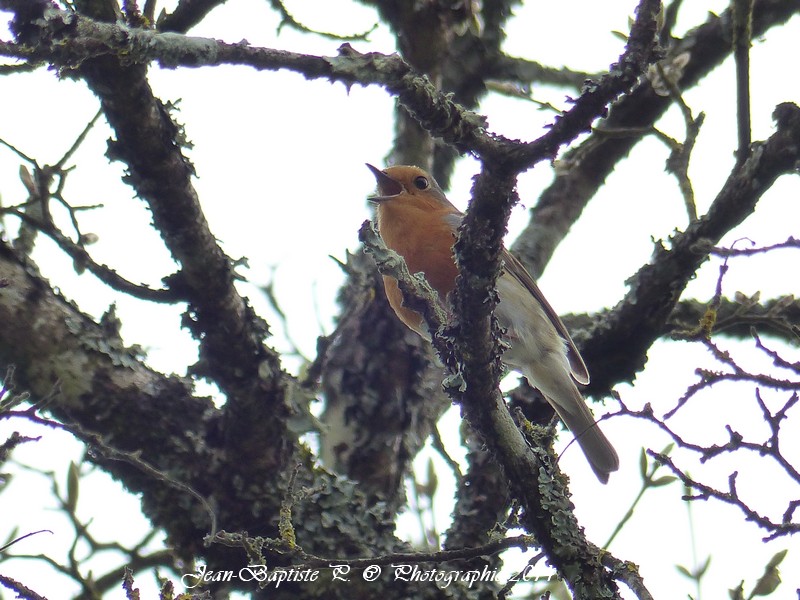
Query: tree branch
{"type": "Point", "coordinates": [583, 169]}
{"type": "Point", "coordinates": [548, 513]}
{"type": "Point", "coordinates": [149, 143]}
{"type": "Point", "coordinates": [742, 11]}
{"type": "Point", "coordinates": [104, 387]}
{"type": "Point", "coordinates": [101, 386]}
{"type": "Point", "coordinates": [654, 291]}
{"type": "Point", "coordinates": [104, 273]}
{"type": "Point", "coordinates": [69, 39]}
{"type": "Point", "coordinates": [527, 72]}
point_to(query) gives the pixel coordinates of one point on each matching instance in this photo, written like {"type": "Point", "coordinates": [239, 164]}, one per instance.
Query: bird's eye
{"type": "Point", "coordinates": [421, 183]}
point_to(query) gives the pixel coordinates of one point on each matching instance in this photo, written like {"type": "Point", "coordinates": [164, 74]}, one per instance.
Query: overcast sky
{"type": "Point", "coordinates": [280, 164]}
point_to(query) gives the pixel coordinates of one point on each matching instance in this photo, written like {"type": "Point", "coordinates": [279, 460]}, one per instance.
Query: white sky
{"type": "Point", "coordinates": [288, 201]}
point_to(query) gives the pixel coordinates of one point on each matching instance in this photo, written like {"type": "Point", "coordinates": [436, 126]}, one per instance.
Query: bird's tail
{"type": "Point", "coordinates": [578, 418]}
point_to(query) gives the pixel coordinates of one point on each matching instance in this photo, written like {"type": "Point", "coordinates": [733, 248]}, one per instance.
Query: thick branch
{"type": "Point", "coordinates": [732, 318]}
{"type": "Point", "coordinates": [90, 378]}
{"type": "Point", "coordinates": [382, 398]}
{"type": "Point", "coordinates": [640, 317]}
{"type": "Point", "coordinates": [548, 512]}
{"type": "Point", "coordinates": [67, 39]}
{"type": "Point", "coordinates": [533, 478]}
{"type": "Point", "coordinates": [148, 142]}
{"type": "Point", "coordinates": [583, 170]}
{"type": "Point", "coordinates": [476, 370]}
{"type": "Point", "coordinates": [742, 11]}
{"type": "Point", "coordinates": [94, 380]}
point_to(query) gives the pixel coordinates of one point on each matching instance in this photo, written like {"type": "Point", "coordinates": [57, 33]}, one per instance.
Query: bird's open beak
{"type": "Point", "coordinates": [388, 188]}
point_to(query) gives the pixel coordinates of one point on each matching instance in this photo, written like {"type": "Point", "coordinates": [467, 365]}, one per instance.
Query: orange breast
{"type": "Point", "coordinates": [425, 240]}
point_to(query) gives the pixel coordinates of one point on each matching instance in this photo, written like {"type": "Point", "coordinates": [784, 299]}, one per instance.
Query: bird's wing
{"type": "Point", "coordinates": [578, 368]}
{"type": "Point", "coordinates": [515, 269]}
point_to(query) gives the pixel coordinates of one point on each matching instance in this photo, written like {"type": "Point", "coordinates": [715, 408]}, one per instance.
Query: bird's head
{"type": "Point", "coordinates": [409, 184]}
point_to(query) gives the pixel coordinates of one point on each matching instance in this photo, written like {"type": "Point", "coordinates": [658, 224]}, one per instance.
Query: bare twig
{"type": "Point", "coordinates": [704, 492]}
{"type": "Point", "coordinates": [438, 445]}
{"type": "Point", "coordinates": [97, 443]}
{"type": "Point", "coordinates": [678, 161]}
{"type": "Point", "coordinates": [289, 20]}
{"type": "Point", "coordinates": [103, 272]}
{"type": "Point", "coordinates": [790, 243]}
{"type": "Point", "coordinates": [78, 141]}
{"type": "Point", "coordinates": [770, 447]}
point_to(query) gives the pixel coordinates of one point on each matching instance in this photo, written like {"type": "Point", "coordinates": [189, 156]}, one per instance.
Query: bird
{"type": "Point", "coordinates": [416, 220]}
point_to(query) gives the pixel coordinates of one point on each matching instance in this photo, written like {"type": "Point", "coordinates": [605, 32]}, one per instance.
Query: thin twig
{"type": "Point", "coordinates": [438, 444]}
{"type": "Point", "coordinates": [132, 458]}
{"type": "Point", "coordinates": [103, 272]}
{"type": "Point", "coordinates": [288, 19]}
{"type": "Point", "coordinates": [78, 141]}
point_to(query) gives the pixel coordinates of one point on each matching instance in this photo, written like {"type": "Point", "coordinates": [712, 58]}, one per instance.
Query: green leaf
{"type": "Point", "coordinates": [643, 464]}
{"type": "Point", "coordinates": [737, 593]}
{"type": "Point", "coordinates": [771, 578]}
{"type": "Point", "coordinates": [702, 570]}
{"type": "Point", "coordinates": [73, 479]}
{"type": "Point", "coordinates": [12, 535]}
{"type": "Point", "coordinates": [684, 571]}
{"type": "Point", "coordinates": [662, 481]}
{"type": "Point", "coordinates": [433, 480]}
{"type": "Point", "coordinates": [777, 559]}
{"type": "Point", "coordinates": [768, 583]}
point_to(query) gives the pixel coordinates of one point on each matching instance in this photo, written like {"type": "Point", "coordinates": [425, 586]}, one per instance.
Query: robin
{"type": "Point", "coordinates": [417, 221]}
